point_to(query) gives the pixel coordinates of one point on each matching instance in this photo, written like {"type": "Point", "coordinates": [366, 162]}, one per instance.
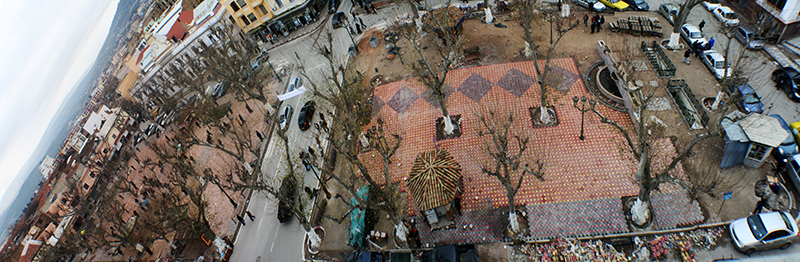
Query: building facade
{"type": "Point", "coordinates": [264, 19]}
{"type": "Point", "coordinates": [777, 20]}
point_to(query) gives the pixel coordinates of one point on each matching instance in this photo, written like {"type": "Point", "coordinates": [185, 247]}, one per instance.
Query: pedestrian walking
{"type": "Point", "coordinates": [248, 108]}
{"type": "Point", "coordinates": [295, 54]}
{"type": "Point", "coordinates": [585, 19]}
{"type": "Point", "coordinates": [697, 47]}
{"type": "Point", "coordinates": [602, 21]}
{"type": "Point", "coordinates": [311, 151]}
{"type": "Point", "coordinates": [686, 55]}
{"type": "Point", "coordinates": [594, 25]}
{"type": "Point", "coordinates": [701, 25]}
{"type": "Point", "coordinates": [242, 119]}
{"type": "Point", "coordinates": [361, 21]}
{"type": "Point", "coordinates": [711, 42]}
{"type": "Point", "coordinates": [372, 6]}
{"type": "Point", "coordinates": [241, 220]}
{"type": "Point", "coordinates": [252, 217]}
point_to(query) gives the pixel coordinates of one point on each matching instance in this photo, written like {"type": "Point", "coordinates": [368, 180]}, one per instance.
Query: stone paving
{"type": "Point", "coordinates": [577, 218]}
{"type": "Point", "coordinates": [472, 227]}
{"type": "Point", "coordinates": [582, 176]}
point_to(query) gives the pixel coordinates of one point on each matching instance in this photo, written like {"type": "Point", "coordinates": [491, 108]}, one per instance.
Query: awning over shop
{"type": "Point", "coordinates": [757, 128]}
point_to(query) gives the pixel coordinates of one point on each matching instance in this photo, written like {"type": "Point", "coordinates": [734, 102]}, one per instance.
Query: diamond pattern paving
{"type": "Point", "coordinates": [402, 100]}
{"type": "Point", "coordinates": [592, 172]}
{"type": "Point", "coordinates": [475, 87]}
{"type": "Point", "coordinates": [561, 78]}
{"type": "Point", "coordinates": [516, 82]}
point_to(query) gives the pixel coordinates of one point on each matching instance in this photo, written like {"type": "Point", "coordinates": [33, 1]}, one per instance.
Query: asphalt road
{"type": "Point", "coordinates": [266, 239]}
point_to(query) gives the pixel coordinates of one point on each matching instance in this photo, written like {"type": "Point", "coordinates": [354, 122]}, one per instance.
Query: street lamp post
{"type": "Point", "coordinates": [583, 109]}
{"type": "Point", "coordinates": [351, 38]}
{"type": "Point", "coordinates": [274, 72]}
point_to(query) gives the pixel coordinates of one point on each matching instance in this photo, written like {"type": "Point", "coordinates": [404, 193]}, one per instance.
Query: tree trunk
{"type": "Point", "coordinates": [545, 116]}
{"type": "Point", "coordinates": [513, 222]}
{"type": "Point", "coordinates": [674, 41]}
{"type": "Point", "coordinates": [528, 50]}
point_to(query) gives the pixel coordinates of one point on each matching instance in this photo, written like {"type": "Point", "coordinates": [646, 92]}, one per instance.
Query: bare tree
{"type": "Point", "coordinates": [507, 163]}
{"type": "Point", "coordinates": [529, 17]}
{"type": "Point", "coordinates": [683, 12]}
{"type": "Point", "coordinates": [433, 66]}
{"type": "Point", "coordinates": [352, 101]}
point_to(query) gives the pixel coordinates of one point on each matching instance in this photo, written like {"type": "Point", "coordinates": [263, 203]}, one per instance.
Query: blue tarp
{"type": "Point", "coordinates": [357, 219]}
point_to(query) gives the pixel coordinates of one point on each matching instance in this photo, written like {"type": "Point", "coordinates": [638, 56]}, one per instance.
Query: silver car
{"type": "Point", "coordinates": [764, 231]}
{"type": "Point", "coordinates": [285, 116]}
{"type": "Point", "coordinates": [748, 37]}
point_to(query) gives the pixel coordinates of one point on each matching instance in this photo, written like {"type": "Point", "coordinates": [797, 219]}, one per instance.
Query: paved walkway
{"type": "Point", "coordinates": [586, 177]}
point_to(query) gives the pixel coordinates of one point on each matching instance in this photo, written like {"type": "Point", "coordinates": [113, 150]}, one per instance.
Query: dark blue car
{"type": "Point", "coordinates": [788, 147]}
{"type": "Point", "coordinates": [638, 5]}
{"type": "Point", "coordinates": [750, 100]}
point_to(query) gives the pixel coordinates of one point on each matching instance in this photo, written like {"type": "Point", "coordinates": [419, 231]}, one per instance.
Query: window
{"type": "Point", "coordinates": [757, 151]}
{"type": "Point", "coordinates": [234, 6]}
{"type": "Point", "coordinates": [280, 4]}
{"type": "Point", "coordinates": [92, 174]}
{"type": "Point", "coordinates": [252, 17]}
{"type": "Point", "coordinates": [85, 186]}
{"type": "Point", "coordinates": [776, 235]}
{"type": "Point", "coordinates": [245, 21]}
{"type": "Point", "coordinates": [778, 4]}
{"type": "Point", "coordinates": [241, 3]}
{"type": "Point", "coordinates": [262, 9]}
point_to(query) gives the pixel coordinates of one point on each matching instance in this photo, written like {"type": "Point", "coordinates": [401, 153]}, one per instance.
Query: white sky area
{"type": "Point", "coordinates": [46, 46]}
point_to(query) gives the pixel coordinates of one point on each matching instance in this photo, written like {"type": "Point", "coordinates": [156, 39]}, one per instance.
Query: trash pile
{"type": "Point", "coordinates": [570, 249]}
{"type": "Point", "coordinates": [674, 246]}
{"type": "Point", "coordinates": [677, 245]}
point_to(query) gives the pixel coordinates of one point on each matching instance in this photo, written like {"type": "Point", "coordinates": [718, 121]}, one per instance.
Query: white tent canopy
{"type": "Point", "coordinates": [293, 93]}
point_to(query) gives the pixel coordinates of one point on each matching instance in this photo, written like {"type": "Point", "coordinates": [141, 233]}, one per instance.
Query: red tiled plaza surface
{"type": "Point", "coordinates": [574, 169]}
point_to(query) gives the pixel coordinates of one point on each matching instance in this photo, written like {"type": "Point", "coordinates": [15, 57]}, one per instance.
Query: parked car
{"type": "Point", "coordinates": [764, 231]}
{"type": "Point", "coordinates": [716, 63]}
{"type": "Point", "coordinates": [690, 33]}
{"type": "Point", "coordinates": [792, 169]}
{"type": "Point", "coordinates": [287, 198]}
{"type": "Point", "coordinates": [795, 130]}
{"type": "Point", "coordinates": [220, 89]}
{"type": "Point", "coordinates": [788, 147]}
{"type": "Point", "coordinates": [615, 4]}
{"type": "Point", "coordinates": [285, 116]}
{"type": "Point", "coordinates": [294, 83]}
{"type": "Point", "coordinates": [711, 5]}
{"type": "Point", "coordinates": [750, 100]}
{"type": "Point", "coordinates": [588, 4]}
{"type": "Point", "coordinates": [305, 115]}
{"type": "Point", "coordinates": [669, 11]}
{"type": "Point", "coordinates": [747, 35]}
{"type": "Point", "coordinates": [638, 5]}
{"type": "Point", "coordinates": [726, 15]}
{"type": "Point", "coordinates": [788, 79]}
{"type": "Point", "coordinates": [338, 20]}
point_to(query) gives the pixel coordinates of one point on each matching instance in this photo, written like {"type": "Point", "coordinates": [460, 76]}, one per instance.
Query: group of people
{"type": "Point", "coordinates": [697, 48]}
{"type": "Point", "coordinates": [597, 22]}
